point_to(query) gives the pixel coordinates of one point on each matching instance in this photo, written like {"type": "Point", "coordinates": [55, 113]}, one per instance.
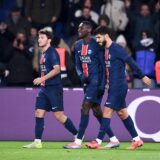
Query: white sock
{"type": "Point", "coordinates": [75, 136]}
{"type": "Point", "coordinates": [78, 141]}
{"type": "Point", "coordinates": [37, 140]}
{"type": "Point", "coordinates": [113, 139]}
{"type": "Point", "coordinates": [136, 138]}
{"type": "Point", "coordinates": [99, 141]}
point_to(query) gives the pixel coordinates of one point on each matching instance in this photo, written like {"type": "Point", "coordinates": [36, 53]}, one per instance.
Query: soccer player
{"type": "Point", "coordinates": [116, 57]}
{"type": "Point", "coordinates": [50, 96]}
{"type": "Point", "coordinates": [90, 66]}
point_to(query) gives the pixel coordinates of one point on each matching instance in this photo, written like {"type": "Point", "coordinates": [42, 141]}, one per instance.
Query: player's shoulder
{"type": "Point", "coordinates": [52, 52]}
{"type": "Point", "coordinates": [116, 47]}
{"type": "Point", "coordinates": [78, 42]}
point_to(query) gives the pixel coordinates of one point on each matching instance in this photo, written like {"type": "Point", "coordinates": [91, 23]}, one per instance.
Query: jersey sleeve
{"type": "Point", "coordinates": [123, 55]}
{"type": "Point", "coordinates": [103, 68]}
{"type": "Point", "coordinates": [78, 65]}
{"type": "Point", "coordinates": [54, 58]}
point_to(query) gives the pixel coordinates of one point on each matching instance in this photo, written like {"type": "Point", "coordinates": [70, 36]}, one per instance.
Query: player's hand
{"type": "Point", "coordinates": [84, 80]}
{"type": "Point", "coordinates": [100, 92]}
{"type": "Point", "coordinates": [146, 80]}
{"type": "Point", "coordinates": [38, 80]}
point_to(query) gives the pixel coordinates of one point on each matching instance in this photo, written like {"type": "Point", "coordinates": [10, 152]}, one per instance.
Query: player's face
{"type": "Point", "coordinates": [101, 39]}
{"type": "Point", "coordinates": [43, 40]}
{"type": "Point", "coordinates": [82, 31]}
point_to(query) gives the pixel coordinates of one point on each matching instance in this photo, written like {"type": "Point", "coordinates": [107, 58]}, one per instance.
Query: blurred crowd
{"type": "Point", "coordinates": [134, 24]}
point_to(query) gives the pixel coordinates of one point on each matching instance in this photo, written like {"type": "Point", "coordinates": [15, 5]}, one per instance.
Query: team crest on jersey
{"type": "Point", "coordinates": [89, 51]}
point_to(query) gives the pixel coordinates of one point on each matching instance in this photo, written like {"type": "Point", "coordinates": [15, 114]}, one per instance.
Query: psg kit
{"type": "Point", "coordinates": [50, 96]}
{"type": "Point", "coordinates": [115, 64]}
{"type": "Point", "coordinates": [90, 66]}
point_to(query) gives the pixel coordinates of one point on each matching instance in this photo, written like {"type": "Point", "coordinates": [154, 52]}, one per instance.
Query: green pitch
{"type": "Point", "coordinates": [54, 151]}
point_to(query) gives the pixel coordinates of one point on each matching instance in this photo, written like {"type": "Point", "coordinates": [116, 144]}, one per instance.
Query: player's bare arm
{"type": "Point", "coordinates": [54, 72]}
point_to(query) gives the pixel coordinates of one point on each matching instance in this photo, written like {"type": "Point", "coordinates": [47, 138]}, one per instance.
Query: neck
{"type": "Point", "coordinates": [87, 39]}
{"type": "Point", "coordinates": [45, 48]}
{"type": "Point", "coordinates": [109, 42]}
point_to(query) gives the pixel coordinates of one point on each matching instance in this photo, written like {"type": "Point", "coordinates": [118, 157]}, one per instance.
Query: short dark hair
{"type": "Point", "coordinates": [101, 30]}
{"type": "Point", "coordinates": [87, 23]}
{"type": "Point", "coordinates": [48, 33]}
{"type": "Point", "coordinates": [105, 18]}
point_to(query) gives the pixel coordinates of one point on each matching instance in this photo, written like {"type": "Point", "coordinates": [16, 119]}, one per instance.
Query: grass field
{"type": "Point", "coordinates": [54, 151]}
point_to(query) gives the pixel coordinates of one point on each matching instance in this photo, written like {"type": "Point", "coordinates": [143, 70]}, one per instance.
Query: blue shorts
{"type": "Point", "coordinates": [116, 99]}
{"type": "Point", "coordinates": [50, 98]}
{"type": "Point", "coordinates": [90, 94]}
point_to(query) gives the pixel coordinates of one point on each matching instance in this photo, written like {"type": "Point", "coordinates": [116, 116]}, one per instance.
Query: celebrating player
{"type": "Point", "coordinates": [90, 66]}
{"type": "Point", "coordinates": [50, 96]}
{"type": "Point", "coordinates": [116, 57]}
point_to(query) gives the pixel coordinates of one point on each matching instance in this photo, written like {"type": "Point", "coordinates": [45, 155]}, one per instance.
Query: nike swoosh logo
{"type": "Point", "coordinates": [54, 108]}
{"type": "Point", "coordinates": [89, 97]}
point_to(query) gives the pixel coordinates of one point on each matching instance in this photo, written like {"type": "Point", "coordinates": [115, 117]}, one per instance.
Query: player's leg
{"type": "Point", "coordinates": [63, 119]}
{"type": "Point", "coordinates": [39, 127]}
{"type": "Point", "coordinates": [105, 128]}
{"type": "Point", "coordinates": [128, 123]}
{"type": "Point", "coordinates": [97, 112]}
{"type": "Point", "coordinates": [55, 96]}
{"type": "Point", "coordinates": [86, 106]}
{"type": "Point", "coordinates": [82, 126]}
{"type": "Point", "coordinates": [41, 107]}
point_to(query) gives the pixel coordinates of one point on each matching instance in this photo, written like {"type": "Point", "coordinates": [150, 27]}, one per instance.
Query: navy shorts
{"type": "Point", "coordinates": [91, 93]}
{"type": "Point", "coordinates": [50, 98]}
{"type": "Point", "coordinates": [116, 99]}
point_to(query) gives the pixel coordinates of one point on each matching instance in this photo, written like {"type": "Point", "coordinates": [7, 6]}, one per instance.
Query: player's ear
{"type": "Point", "coordinates": [50, 40]}
{"type": "Point", "coordinates": [106, 36]}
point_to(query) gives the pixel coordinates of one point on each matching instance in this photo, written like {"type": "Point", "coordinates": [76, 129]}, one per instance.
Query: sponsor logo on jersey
{"type": "Point", "coordinates": [85, 59]}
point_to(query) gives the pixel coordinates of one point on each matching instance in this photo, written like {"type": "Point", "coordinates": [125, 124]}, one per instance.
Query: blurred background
{"type": "Point", "coordinates": [134, 24]}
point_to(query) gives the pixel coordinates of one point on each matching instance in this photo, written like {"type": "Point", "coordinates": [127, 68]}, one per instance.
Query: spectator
{"type": "Point", "coordinates": [42, 13]}
{"type": "Point", "coordinates": [6, 7]}
{"type": "Point", "coordinates": [115, 10]}
{"type": "Point", "coordinates": [104, 21]}
{"type": "Point", "coordinates": [17, 22]}
{"type": "Point", "coordinates": [88, 4]}
{"type": "Point", "coordinates": [145, 58]}
{"type": "Point", "coordinates": [32, 40]}
{"type": "Point", "coordinates": [6, 39]}
{"type": "Point", "coordinates": [20, 64]}
{"type": "Point", "coordinates": [144, 21]}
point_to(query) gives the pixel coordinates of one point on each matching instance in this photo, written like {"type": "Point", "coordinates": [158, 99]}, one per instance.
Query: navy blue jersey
{"type": "Point", "coordinates": [90, 61]}
{"type": "Point", "coordinates": [48, 60]}
{"type": "Point", "coordinates": [117, 59]}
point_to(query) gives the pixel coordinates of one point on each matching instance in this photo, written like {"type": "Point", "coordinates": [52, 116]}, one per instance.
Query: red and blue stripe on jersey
{"type": "Point", "coordinates": [42, 65]}
{"type": "Point", "coordinates": [84, 64]}
{"type": "Point", "coordinates": [90, 60]}
{"type": "Point", "coordinates": [47, 62]}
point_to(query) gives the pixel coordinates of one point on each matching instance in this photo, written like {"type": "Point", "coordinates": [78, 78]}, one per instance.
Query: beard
{"type": "Point", "coordinates": [103, 44]}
